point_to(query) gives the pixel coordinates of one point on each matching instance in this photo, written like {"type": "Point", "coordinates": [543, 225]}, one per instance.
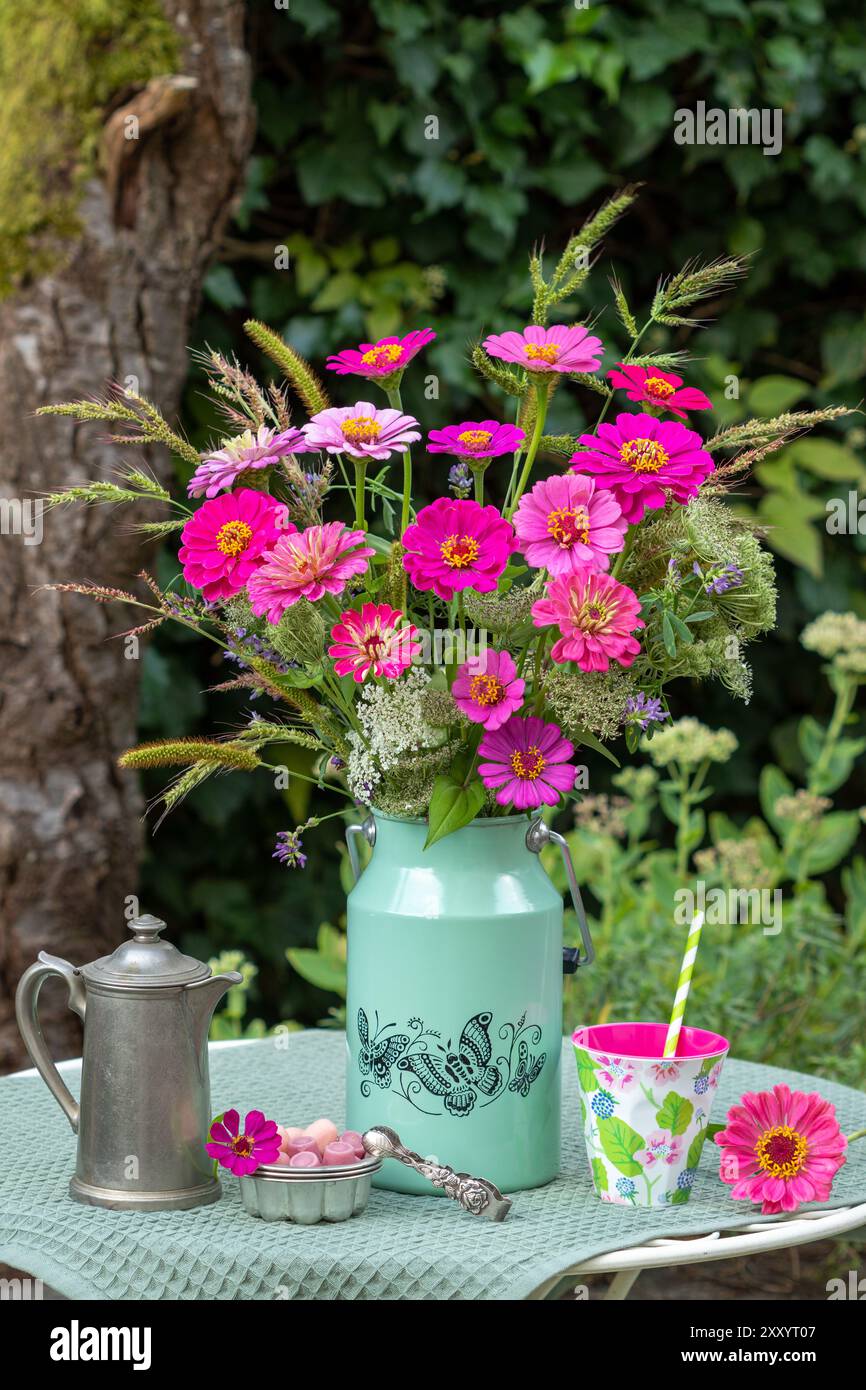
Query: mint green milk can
{"type": "Point", "coordinates": [454, 1007]}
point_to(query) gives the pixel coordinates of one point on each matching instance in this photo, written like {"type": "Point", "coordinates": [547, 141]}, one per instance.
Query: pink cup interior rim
{"type": "Point", "coordinates": [645, 1041]}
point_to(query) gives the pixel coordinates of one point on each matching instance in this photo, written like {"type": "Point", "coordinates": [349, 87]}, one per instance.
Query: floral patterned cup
{"type": "Point", "coordinates": [645, 1116]}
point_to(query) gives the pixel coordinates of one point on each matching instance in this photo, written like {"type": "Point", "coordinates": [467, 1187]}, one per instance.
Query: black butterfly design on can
{"type": "Point", "coordinates": [378, 1056]}
{"type": "Point", "coordinates": [527, 1070]}
{"type": "Point", "coordinates": [458, 1075]}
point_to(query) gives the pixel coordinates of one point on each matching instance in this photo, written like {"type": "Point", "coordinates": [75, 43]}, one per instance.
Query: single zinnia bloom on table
{"type": "Point", "coordinates": [457, 544]}
{"type": "Point", "coordinates": [362, 431]}
{"type": "Point", "coordinates": [527, 761]}
{"type": "Point", "coordinates": [641, 459]}
{"type": "Point", "coordinates": [781, 1148]}
{"type": "Point", "coordinates": [376, 641]}
{"type": "Point", "coordinates": [223, 542]}
{"type": "Point", "coordinates": [307, 564]}
{"type": "Point", "coordinates": [242, 1151]}
{"type": "Point", "coordinates": [221, 468]}
{"type": "Point", "coordinates": [484, 439]}
{"type": "Point", "coordinates": [488, 689]}
{"type": "Point", "coordinates": [557, 349]}
{"type": "Point", "coordinates": [596, 616]}
{"type": "Point", "coordinates": [381, 359]}
{"type": "Point", "coordinates": [652, 386]}
{"type": "Point", "coordinates": [565, 523]}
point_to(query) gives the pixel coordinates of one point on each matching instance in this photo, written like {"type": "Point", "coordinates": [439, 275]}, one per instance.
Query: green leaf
{"type": "Point", "coordinates": [620, 1143]}
{"type": "Point", "coordinates": [773, 784]}
{"type": "Point", "coordinates": [675, 1113]}
{"type": "Point", "coordinates": [790, 532]}
{"type": "Point", "coordinates": [599, 1175]}
{"type": "Point", "coordinates": [453, 805]}
{"type": "Point", "coordinates": [693, 1157]}
{"type": "Point", "coordinates": [826, 459]}
{"type": "Point", "coordinates": [668, 636]}
{"type": "Point", "coordinates": [680, 1196]}
{"type": "Point", "coordinates": [829, 841]}
{"type": "Point", "coordinates": [584, 738]}
{"type": "Point", "coordinates": [772, 395]}
{"type": "Point", "coordinates": [325, 972]}
{"type": "Point", "coordinates": [585, 1070]}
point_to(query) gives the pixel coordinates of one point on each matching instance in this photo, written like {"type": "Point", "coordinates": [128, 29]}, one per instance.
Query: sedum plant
{"type": "Point", "coordinates": [449, 660]}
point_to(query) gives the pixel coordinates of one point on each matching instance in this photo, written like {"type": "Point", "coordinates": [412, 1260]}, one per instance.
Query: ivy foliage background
{"type": "Point", "coordinates": [539, 111]}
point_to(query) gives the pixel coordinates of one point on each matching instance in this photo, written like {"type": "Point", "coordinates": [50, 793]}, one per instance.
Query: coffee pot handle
{"type": "Point", "coordinates": [26, 1001]}
{"type": "Point", "coordinates": [367, 829]}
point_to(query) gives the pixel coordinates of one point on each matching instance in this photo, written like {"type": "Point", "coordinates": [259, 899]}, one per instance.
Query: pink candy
{"type": "Point", "coordinates": [354, 1140]}
{"type": "Point", "coordinates": [324, 1132]}
{"type": "Point", "coordinates": [306, 1158]}
{"type": "Point", "coordinates": [338, 1153]}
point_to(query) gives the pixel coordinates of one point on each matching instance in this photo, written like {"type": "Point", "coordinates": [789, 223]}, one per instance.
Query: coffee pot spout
{"type": "Point", "coordinates": [203, 997]}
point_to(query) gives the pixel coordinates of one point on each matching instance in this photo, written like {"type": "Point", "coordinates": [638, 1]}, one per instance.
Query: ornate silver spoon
{"type": "Point", "coordinates": [475, 1195]}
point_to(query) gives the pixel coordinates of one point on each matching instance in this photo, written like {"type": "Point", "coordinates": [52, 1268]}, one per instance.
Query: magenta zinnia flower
{"type": "Point", "coordinates": [485, 439]}
{"type": "Point", "coordinates": [361, 430]}
{"type": "Point", "coordinates": [658, 388]}
{"type": "Point", "coordinates": [596, 616]}
{"type": "Point", "coordinates": [222, 468]}
{"type": "Point", "coordinates": [564, 524]}
{"type": "Point", "coordinates": [640, 458]}
{"type": "Point", "coordinates": [223, 542]}
{"type": "Point", "coordinates": [488, 689]}
{"type": "Point", "coordinates": [373, 640]}
{"type": "Point", "coordinates": [375, 360]}
{"type": "Point", "coordinates": [556, 349]}
{"type": "Point", "coordinates": [528, 762]}
{"type": "Point", "coordinates": [308, 564]}
{"type": "Point", "coordinates": [781, 1148]}
{"type": "Point", "coordinates": [457, 544]}
{"type": "Point", "coordinates": [243, 1151]}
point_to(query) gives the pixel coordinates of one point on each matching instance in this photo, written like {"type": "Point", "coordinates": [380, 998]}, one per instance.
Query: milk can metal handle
{"type": "Point", "coordinates": [367, 829]}
{"type": "Point", "coordinates": [537, 836]}
{"type": "Point", "coordinates": [26, 1003]}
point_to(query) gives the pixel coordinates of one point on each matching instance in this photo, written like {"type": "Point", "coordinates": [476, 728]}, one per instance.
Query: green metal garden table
{"type": "Point", "coordinates": [401, 1247]}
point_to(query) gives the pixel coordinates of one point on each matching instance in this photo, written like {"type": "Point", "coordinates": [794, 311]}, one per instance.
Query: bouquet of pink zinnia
{"type": "Point", "coordinates": [445, 639]}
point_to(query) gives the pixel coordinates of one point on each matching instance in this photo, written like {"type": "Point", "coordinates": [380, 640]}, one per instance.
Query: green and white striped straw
{"type": "Point", "coordinates": [683, 985]}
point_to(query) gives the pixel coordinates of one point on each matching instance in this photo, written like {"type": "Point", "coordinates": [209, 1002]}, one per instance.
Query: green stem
{"type": "Point", "coordinates": [858, 1134]}
{"type": "Point", "coordinates": [542, 393]}
{"type": "Point", "coordinates": [395, 401]}
{"type": "Point", "coordinates": [478, 475]}
{"type": "Point", "coordinates": [623, 555]}
{"type": "Point", "coordinates": [360, 476]}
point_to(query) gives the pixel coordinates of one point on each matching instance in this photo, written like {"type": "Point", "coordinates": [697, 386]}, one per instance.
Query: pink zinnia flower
{"type": "Point", "coordinates": [308, 564]}
{"type": "Point", "coordinates": [223, 542]}
{"type": "Point", "coordinates": [616, 1072]}
{"type": "Point", "coordinates": [564, 524]}
{"type": "Point", "coordinates": [361, 430]}
{"type": "Point", "coordinates": [488, 689]}
{"type": "Point", "coordinates": [595, 615]}
{"type": "Point", "coordinates": [375, 360]}
{"type": "Point", "coordinates": [658, 388]}
{"type": "Point", "coordinates": [242, 1151]}
{"type": "Point", "coordinates": [222, 468]}
{"type": "Point", "coordinates": [556, 349]}
{"type": "Point", "coordinates": [781, 1148]}
{"type": "Point", "coordinates": [661, 1147]}
{"type": "Point", "coordinates": [486, 439]}
{"type": "Point", "coordinates": [373, 640]}
{"type": "Point", "coordinates": [457, 544]}
{"type": "Point", "coordinates": [640, 457]}
{"type": "Point", "coordinates": [528, 762]}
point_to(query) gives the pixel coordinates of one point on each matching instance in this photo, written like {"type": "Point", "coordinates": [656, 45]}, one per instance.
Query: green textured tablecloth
{"type": "Point", "coordinates": [400, 1248]}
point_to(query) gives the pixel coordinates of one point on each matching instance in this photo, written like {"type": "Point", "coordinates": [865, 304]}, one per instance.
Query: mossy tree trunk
{"type": "Point", "coordinates": [118, 302]}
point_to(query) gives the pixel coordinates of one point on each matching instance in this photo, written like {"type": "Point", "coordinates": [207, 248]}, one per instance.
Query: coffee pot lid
{"type": "Point", "coordinates": [145, 961]}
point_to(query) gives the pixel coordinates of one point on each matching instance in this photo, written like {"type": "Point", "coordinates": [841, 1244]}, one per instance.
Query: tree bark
{"type": "Point", "coordinates": [121, 306]}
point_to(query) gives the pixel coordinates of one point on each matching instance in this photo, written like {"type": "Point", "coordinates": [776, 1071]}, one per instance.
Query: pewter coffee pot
{"type": "Point", "coordinates": [144, 1114]}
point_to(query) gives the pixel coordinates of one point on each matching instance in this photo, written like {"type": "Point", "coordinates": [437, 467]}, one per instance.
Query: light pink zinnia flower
{"type": "Point", "coordinates": [658, 388]}
{"type": "Point", "coordinates": [661, 1147]}
{"type": "Point", "coordinates": [488, 689]}
{"type": "Point", "coordinates": [223, 542]}
{"type": "Point", "coordinates": [781, 1148]}
{"type": "Point", "coordinates": [320, 560]}
{"type": "Point", "coordinates": [485, 439]}
{"type": "Point", "coordinates": [373, 640]}
{"type": "Point", "coordinates": [457, 544]}
{"type": "Point", "coordinates": [641, 458]}
{"type": "Point", "coordinates": [595, 615]}
{"type": "Point", "coordinates": [384, 358]}
{"type": "Point", "coordinates": [616, 1073]}
{"type": "Point", "coordinates": [557, 349]}
{"type": "Point", "coordinates": [222, 468]}
{"type": "Point", "coordinates": [564, 524]}
{"type": "Point", "coordinates": [242, 1151]}
{"type": "Point", "coordinates": [528, 762]}
{"type": "Point", "coordinates": [361, 430]}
